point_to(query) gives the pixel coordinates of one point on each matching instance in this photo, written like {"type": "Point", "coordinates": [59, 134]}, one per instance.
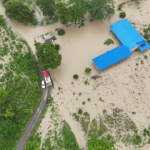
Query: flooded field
{"type": "Point", "coordinates": [124, 85]}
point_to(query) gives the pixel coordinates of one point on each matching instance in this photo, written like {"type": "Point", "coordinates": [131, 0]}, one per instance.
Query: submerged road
{"type": "Point", "coordinates": [36, 116]}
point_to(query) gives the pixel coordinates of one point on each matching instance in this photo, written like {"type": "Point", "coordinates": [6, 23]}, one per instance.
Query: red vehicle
{"type": "Point", "coordinates": [47, 78]}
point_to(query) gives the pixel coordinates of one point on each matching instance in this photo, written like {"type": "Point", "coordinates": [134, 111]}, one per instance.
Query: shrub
{"type": "Point", "coordinates": [75, 76]}
{"type": "Point", "coordinates": [137, 140]}
{"type": "Point", "coordinates": [145, 57]}
{"type": "Point", "coordinates": [2, 20]}
{"type": "Point", "coordinates": [57, 46]}
{"type": "Point", "coordinates": [83, 102]}
{"type": "Point", "coordinates": [1, 66]}
{"type": "Point", "coordinates": [122, 14]}
{"type": "Point", "coordinates": [108, 42]}
{"type": "Point", "coordinates": [60, 31]}
{"type": "Point", "coordinates": [88, 99]}
{"type": "Point", "coordinates": [88, 70]}
{"type": "Point", "coordinates": [34, 22]}
{"type": "Point", "coordinates": [86, 82]}
{"type": "Point", "coordinates": [80, 111]}
{"type": "Point", "coordinates": [80, 94]}
{"type": "Point", "coordinates": [142, 62]}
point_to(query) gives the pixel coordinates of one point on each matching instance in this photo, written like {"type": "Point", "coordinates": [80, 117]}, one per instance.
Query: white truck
{"type": "Point", "coordinates": [47, 78]}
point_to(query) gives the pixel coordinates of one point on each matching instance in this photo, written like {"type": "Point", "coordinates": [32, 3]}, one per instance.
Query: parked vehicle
{"type": "Point", "coordinates": [53, 38]}
{"type": "Point", "coordinates": [44, 37]}
{"type": "Point", "coordinates": [47, 78]}
{"type": "Point", "coordinates": [43, 84]}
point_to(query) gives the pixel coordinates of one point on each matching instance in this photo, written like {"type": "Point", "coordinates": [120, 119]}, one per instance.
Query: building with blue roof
{"type": "Point", "coordinates": [130, 39]}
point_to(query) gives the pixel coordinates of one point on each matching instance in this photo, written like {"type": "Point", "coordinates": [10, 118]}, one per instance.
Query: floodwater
{"type": "Point", "coordinates": [119, 85]}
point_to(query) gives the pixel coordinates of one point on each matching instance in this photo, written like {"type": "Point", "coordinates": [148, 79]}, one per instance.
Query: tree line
{"type": "Point", "coordinates": [74, 13]}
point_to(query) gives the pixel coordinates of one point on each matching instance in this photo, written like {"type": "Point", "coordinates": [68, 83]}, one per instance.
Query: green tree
{"type": "Point", "coordinates": [88, 70]}
{"type": "Point", "coordinates": [101, 9]}
{"type": "Point", "coordinates": [122, 14]}
{"type": "Point", "coordinates": [78, 11]}
{"type": "Point", "coordinates": [105, 143]}
{"type": "Point", "coordinates": [62, 13]}
{"type": "Point", "coordinates": [48, 56]}
{"type": "Point", "coordinates": [47, 7]}
{"type": "Point", "coordinates": [2, 20]}
{"type": "Point", "coordinates": [20, 12]}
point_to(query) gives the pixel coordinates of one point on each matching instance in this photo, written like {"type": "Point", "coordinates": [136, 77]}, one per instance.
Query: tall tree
{"type": "Point", "coordinates": [47, 7]}
{"type": "Point", "coordinates": [48, 56]}
{"type": "Point", "coordinates": [78, 10]}
{"type": "Point", "coordinates": [101, 9]}
{"type": "Point", "coordinates": [20, 12]}
{"type": "Point", "coordinates": [62, 13]}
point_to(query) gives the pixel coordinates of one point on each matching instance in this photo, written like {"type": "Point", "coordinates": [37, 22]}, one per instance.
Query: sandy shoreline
{"type": "Point", "coordinates": [124, 85]}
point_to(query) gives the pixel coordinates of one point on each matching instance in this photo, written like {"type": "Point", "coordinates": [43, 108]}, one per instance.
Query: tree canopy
{"type": "Point", "coordinates": [98, 9]}
{"type": "Point", "coordinates": [101, 9]}
{"type": "Point", "coordinates": [105, 143]}
{"type": "Point", "coordinates": [20, 12]}
{"type": "Point", "coordinates": [78, 11]}
{"type": "Point", "coordinates": [48, 56]}
{"type": "Point", "coordinates": [47, 7]}
{"type": "Point", "coordinates": [62, 12]}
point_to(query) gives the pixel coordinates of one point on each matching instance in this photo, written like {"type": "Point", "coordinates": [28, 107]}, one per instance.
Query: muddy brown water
{"type": "Point", "coordinates": [78, 47]}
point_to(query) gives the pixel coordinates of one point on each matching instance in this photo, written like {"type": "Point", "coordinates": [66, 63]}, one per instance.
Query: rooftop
{"type": "Point", "coordinates": [130, 39]}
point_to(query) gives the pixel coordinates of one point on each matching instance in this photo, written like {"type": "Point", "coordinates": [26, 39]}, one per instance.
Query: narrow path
{"type": "Point", "coordinates": [35, 118]}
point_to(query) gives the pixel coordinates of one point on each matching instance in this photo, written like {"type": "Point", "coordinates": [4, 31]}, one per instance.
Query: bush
{"type": "Point", "coordinates": [80, 111]}
{"type": "Point", "coordinates": [88, 99]}
{"type": "Point", "coordinates": [108, 42]}
{"type": "Point", "coordinates": [60, 31]}
{"type": "Point", "coordinates": [86, 82]}
{"type": "Point", "coordinates": [122, 14]}
{"type": "Point", "coordinates": [57, 46]}
{"type": "Point", "coordinates": [88, 70]}
{"type": "Point", "coordinates": [1, 66]}
{"type": "Point", "coordinates": [34, 22]}
{"type": "Point", "coordinates": [83, 102]}
{"type": "Point", "coordinates": [75, 76]}
{"type": "Point", "coordinates": [2, 20]}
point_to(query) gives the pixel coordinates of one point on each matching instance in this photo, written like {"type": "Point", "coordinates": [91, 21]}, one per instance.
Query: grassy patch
{"type": "Point", "coordinates": [69, 138]}
{"type": "Point", "coordinates": [93, 127]}
{"type": "Point", "coordinates": [102, 128]}
{"type": "Point", "coordinates": [108, 42]}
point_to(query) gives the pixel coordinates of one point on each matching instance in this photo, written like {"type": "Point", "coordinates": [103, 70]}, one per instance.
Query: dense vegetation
{"type": "Point", "coordinates": [48, 55]}
{"type": "Point", "coordinates": [101, 9]}
{"type": "Point", "coordinates": [60, 137]}
{"type": "Point", "coordinates": [47, 7]}
{"type": "Point", "coordinates": [73, 11]}
{"type": "Point", "coordinates": [122, 14]}
{"type": "Point", "coordinates": [20, 12]}
{"type": "Point", "coordinates": [105, 143]}
{"type": "Point", "coordinates": [19, 87]}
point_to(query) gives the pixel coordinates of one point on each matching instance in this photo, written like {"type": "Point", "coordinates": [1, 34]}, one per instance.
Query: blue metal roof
{"type": "Point", "coordinates": [128, 35]}
{"type": "Point", "coordinates": [111, 57]}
